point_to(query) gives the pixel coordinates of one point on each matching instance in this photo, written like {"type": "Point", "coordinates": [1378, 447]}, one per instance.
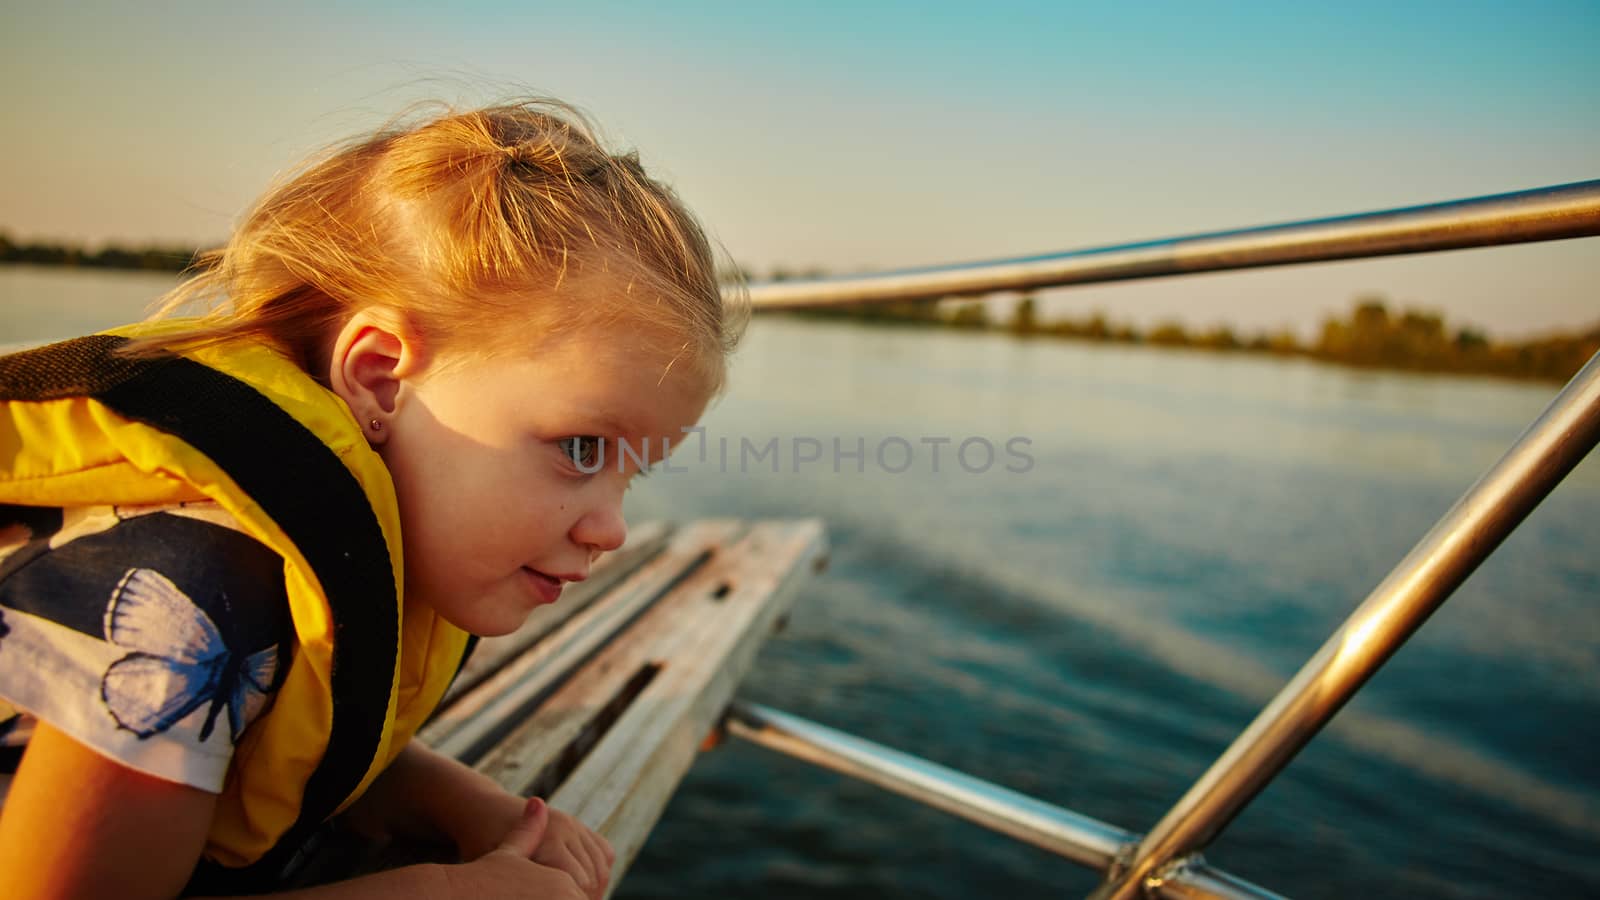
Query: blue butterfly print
{"type": "Point", "coordinates": [179, 662]}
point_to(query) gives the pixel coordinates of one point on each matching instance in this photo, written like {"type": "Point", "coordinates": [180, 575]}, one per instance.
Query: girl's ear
{"type": "Point", "coordinates": [375, 356]}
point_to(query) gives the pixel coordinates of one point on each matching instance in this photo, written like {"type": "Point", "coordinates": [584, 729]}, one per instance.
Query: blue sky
{"type": "Point", "coordinates": [873, 135]}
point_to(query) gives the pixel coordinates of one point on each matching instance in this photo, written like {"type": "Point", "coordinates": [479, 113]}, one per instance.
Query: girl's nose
{"type": "Point", "coordinates": [601, 528]}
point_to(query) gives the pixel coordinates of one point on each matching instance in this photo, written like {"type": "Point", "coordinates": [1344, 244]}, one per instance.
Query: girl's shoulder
{"type": "Point", "coordinates": [152, 634]}
{"type": "Point", "coordinates": [89, 568]}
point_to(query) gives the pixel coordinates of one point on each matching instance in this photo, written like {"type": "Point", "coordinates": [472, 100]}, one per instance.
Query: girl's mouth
{"type": "Point", "coordinates": [548, 587]}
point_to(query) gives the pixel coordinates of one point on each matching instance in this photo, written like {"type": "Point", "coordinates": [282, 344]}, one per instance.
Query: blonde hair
{"type": "Point", "coordinates": [454, 221]}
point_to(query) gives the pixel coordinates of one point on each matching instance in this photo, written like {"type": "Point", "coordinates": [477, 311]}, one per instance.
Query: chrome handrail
{"type": "Point", "coordinates": [1166, 862]}
{"type": "Point", "coordinates": [1550, 448]}
{"type": "Point", "coordinates": [1072, 835]}
{"type": "Point", "coordinates": [1077, 837]}
{"type": "Point", "coordinates": [1541, 214]}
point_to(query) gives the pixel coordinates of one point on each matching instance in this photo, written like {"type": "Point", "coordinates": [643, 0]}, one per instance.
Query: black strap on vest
{"type": "Point", "coordinates": [306, 490]}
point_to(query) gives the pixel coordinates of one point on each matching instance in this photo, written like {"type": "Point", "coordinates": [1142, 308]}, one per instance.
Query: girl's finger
{"type": "Point", "coordinates": [586, 859]}
{"type": "Point", "coordinates": [597, 867]}
{"type": "Point", "coordinates": [525, 837]}
{"type": "Point", "coordinates": [600, 851]}
{"type": "Point", "coordinates": [582, 870]}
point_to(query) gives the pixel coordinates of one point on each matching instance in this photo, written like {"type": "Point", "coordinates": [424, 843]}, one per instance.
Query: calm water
{"type": "Point", "coordinates": [1093, 631]}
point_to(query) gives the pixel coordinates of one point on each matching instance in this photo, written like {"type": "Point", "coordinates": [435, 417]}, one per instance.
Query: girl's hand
{"type": "Point", "coordinates": [566, 844]}
{"type": "Point", "coordinates": [508, 871]}
{"type": "Point", "coordinates": [426, 794]}
{"type": "Point", "coordinates": [571, 847]}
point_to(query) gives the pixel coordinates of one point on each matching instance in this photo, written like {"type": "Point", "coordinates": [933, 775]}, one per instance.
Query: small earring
{"type": "Point", "coordinates": [375, 425]}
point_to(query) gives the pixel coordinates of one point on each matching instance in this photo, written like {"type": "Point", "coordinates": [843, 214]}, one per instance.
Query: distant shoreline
{"type": "Point", "coordinates": [1371, 337]}
{"type": "Point", "coordinates": [148, 258]}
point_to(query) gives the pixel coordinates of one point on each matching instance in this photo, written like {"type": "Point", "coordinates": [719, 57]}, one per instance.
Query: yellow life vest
{"type": "Point", "coordinates": [241, 425]}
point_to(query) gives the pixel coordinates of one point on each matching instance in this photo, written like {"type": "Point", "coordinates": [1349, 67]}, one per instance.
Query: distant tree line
{"type": "Point", "coordinates": [146, 258]}
{"type": "Point", "coordinates": [1372, 336]}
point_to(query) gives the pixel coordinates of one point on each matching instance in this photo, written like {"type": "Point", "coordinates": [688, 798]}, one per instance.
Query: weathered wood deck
{"type": "Point", "coordinates": [600, 702]}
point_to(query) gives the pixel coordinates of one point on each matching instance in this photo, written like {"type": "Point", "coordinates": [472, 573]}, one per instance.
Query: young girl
{"type": "Point", "coordinates": [241, 555]}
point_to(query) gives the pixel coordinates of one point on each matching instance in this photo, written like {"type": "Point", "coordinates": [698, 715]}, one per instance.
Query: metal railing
{"type": "Point", "coordinates": [1543, 214]}
{"type": "Point", "coordinates": [1165, 862]}
{"type": "Point", "coordinates": [1079, 838]}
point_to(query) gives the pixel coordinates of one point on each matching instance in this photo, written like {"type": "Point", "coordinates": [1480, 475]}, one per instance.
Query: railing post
{"type": "Point", "coordinates": [1556, 442]}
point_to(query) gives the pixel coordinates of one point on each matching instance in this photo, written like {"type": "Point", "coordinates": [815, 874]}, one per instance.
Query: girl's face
{"type": "Point", "coordinates": [489, 460]}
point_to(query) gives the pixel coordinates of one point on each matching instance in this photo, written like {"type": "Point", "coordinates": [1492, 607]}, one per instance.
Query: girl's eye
{"type": "Point", "coordinates": [584, 451]}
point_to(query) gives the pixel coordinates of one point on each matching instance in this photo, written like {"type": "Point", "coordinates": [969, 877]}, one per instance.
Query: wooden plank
{"type": "Point", "coordinates": [620, 791]}
{"type": "Point", "coordinates": [644, 542]}
{"type": "Point", "coordinates": [479, 717]}
{"type": "Point", "coordinates": [604, 713]}
{"type": "Point", "coordinates": [521, 757]}
{"type": "Point", "coordinates": [698, 643]}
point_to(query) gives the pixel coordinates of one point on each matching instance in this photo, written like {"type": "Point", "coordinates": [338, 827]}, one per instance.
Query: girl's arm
{"type": "Point", "coordinates": [427, 795]}
{"type": "Point", "coordinates": [76, 824]}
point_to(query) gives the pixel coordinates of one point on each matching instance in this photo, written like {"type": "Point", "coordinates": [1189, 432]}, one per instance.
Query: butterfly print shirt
{"type": "Point", "coordinates": [152, 635]}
